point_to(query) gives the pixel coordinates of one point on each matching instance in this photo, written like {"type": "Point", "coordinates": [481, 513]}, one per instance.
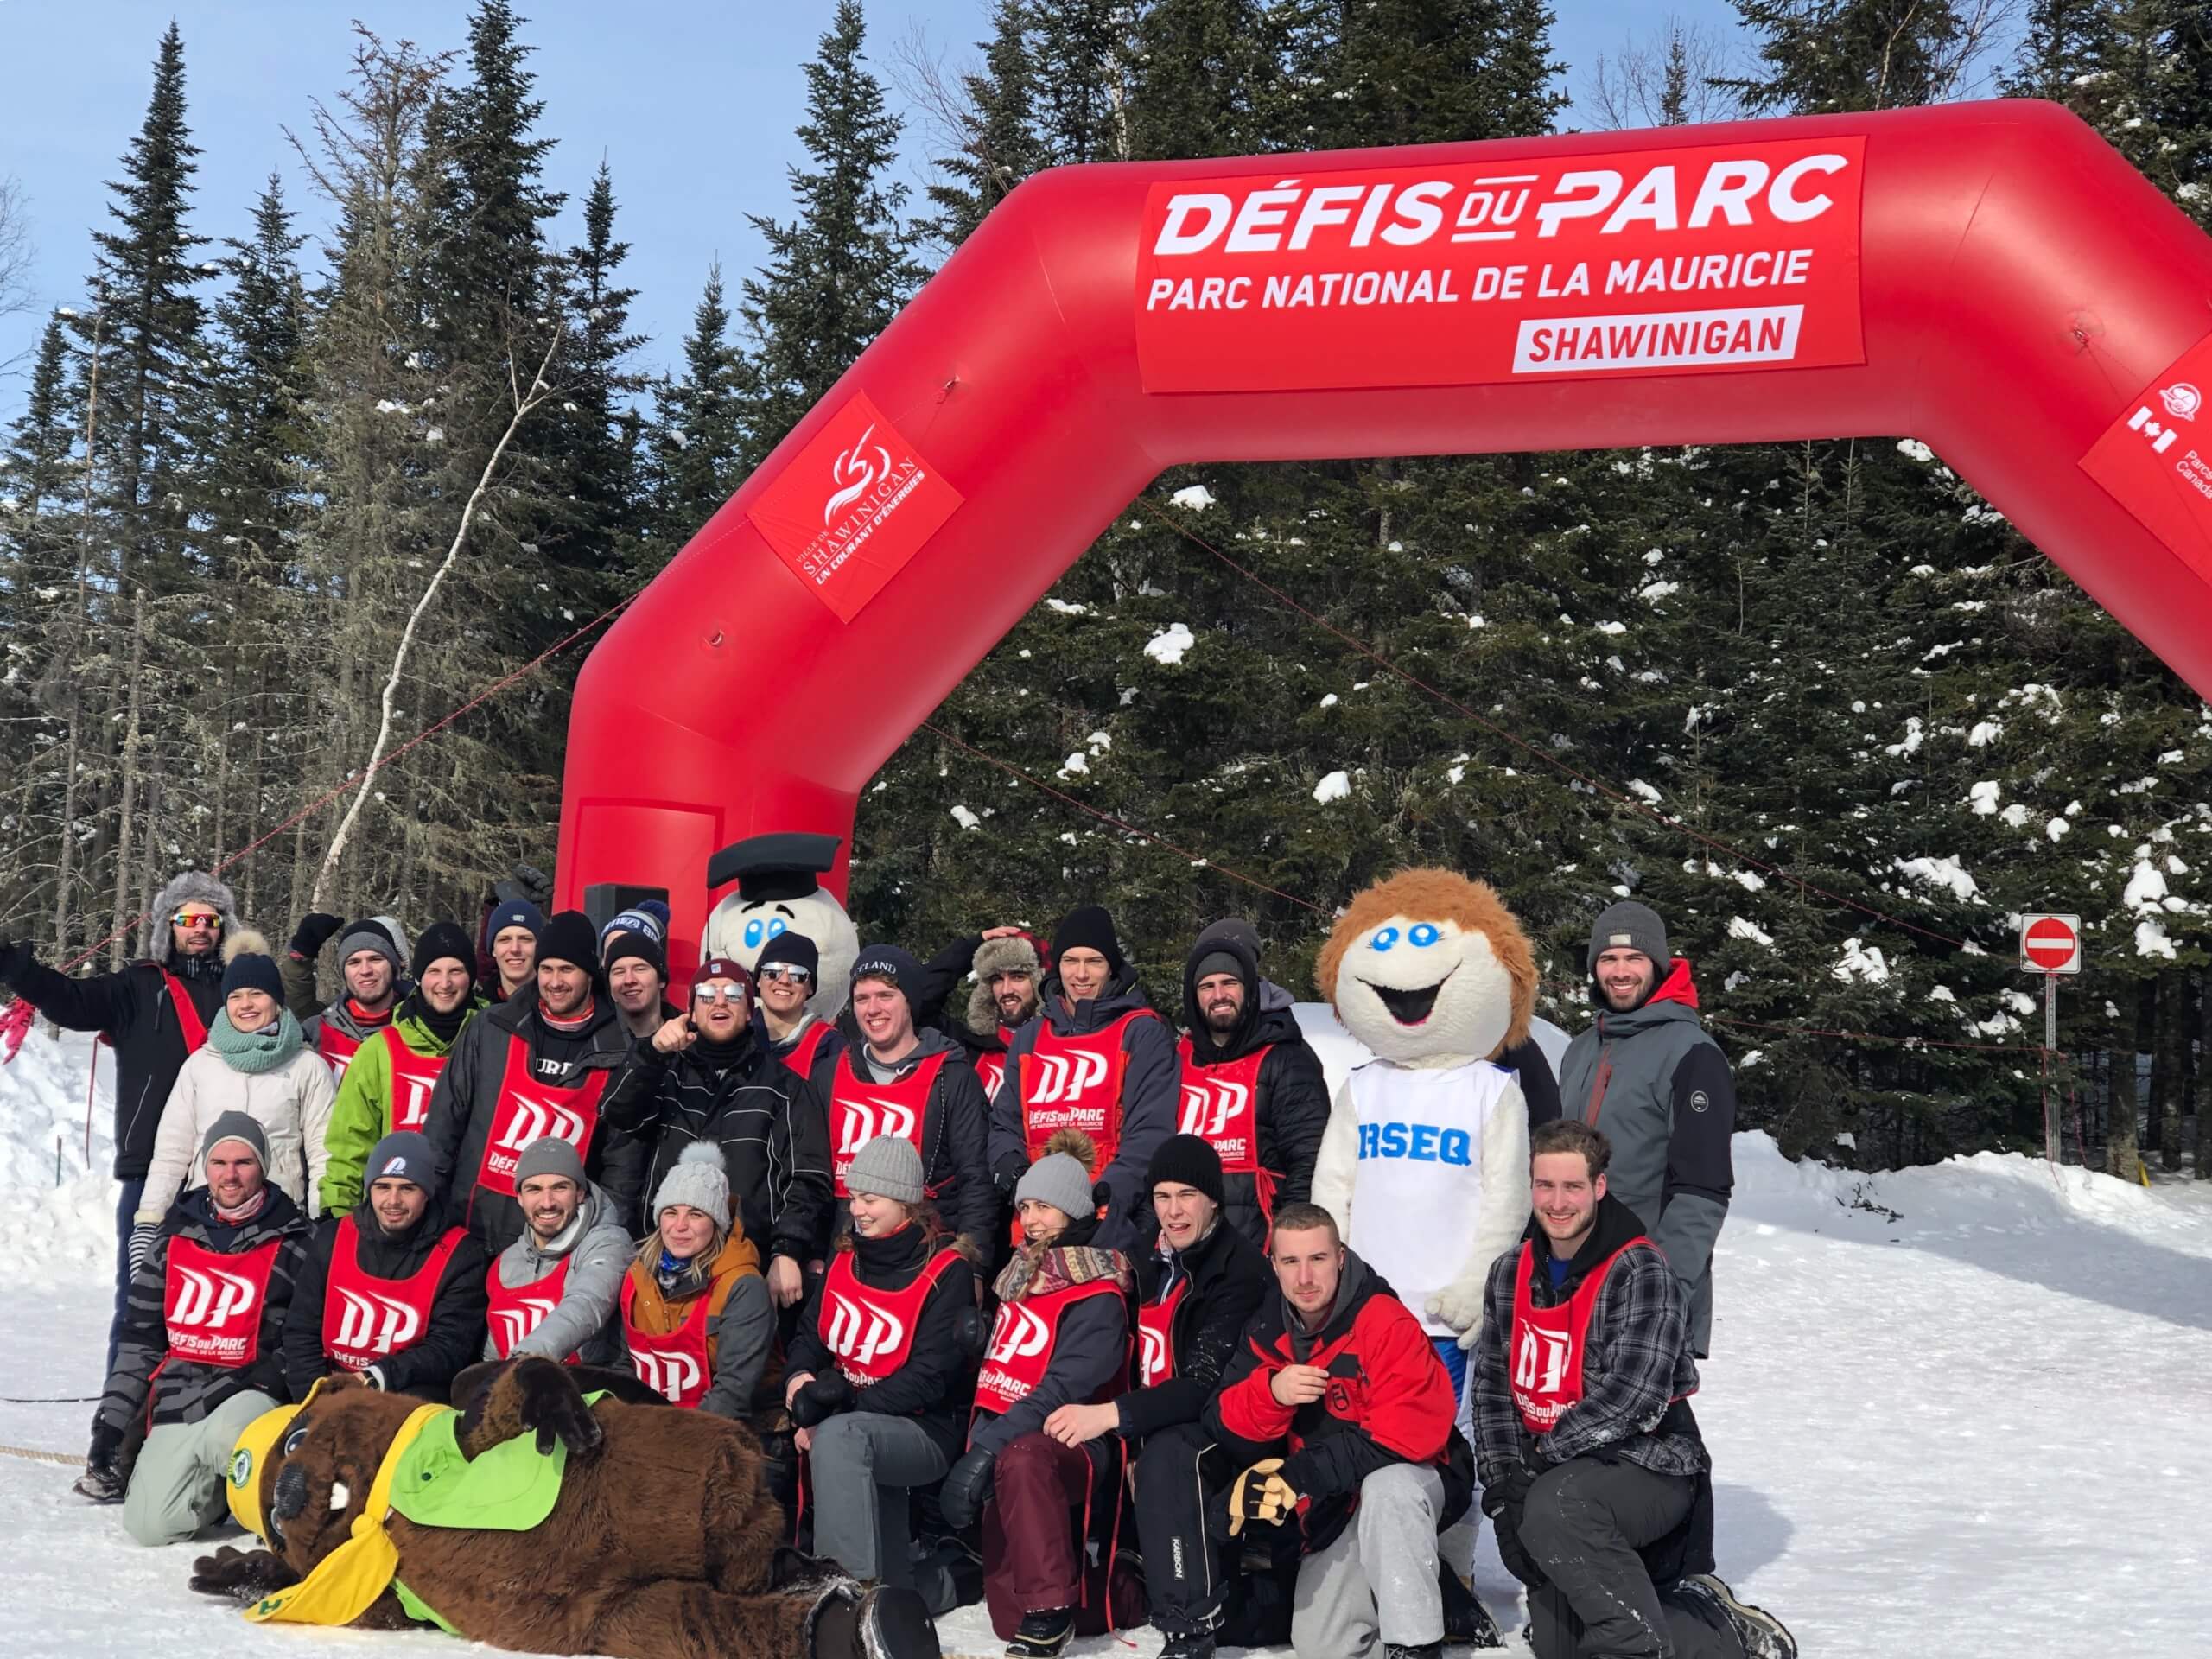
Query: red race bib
{"type": "Point", "coordinates": [515, 1311]}
{"type": "Point", "coordinates": [1156, 1336]}
{"type": "Point", "coordinates": [860, 1111]}
{"type": "Point", "coordinates": [365, 1319]}
{"type": "Point", "coordinates": [801, 1059]}
{"type": "Point", "coordinates": [1548, 1344]}
{"type": "Point", "coordinates": [673, 1366]}
{"type": "Point", "coordinates": [1075, 1083]}
{"type": "Point", "coordinates": [528, 1110]}
{"type": "Point", "coordinates": [336, 1048]}
{"type": "Point", "coordinates": [212, 1302]}
{"type": "Point", "coordinates": [872, 1332]}
{"type": "Point", "coordinates": [413, 1077]}
{"type": "Point", "coordinates": [1021, 1346]}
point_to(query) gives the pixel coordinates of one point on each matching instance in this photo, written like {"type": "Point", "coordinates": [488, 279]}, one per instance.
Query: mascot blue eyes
{"type": "Point", "coordinates": [756, 931]}
{"type": "Point", "coordinates": [1420, 936]}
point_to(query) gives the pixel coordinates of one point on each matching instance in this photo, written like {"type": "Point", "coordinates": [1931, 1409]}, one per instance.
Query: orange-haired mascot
{"type": "Point", "coordinates": [1424, 1162]}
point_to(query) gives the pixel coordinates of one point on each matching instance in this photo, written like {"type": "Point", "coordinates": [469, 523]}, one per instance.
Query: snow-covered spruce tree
{"type": "Point", "coordinates": [838, 272]}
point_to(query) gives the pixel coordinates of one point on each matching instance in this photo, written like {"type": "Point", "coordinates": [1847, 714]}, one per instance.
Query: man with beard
{"type": "Point", "coordinates": [1662, 1087]}
{"type": "Point", "coordinates": [553, 1290]}
{"type": "Point", "coordinates": [531, 1067]}
{"type": "Point", "coordinates": [155, 1011]}
{"type": "Point", "coordinates": [1252, 1086]}
{"type": "Point", "coordinates": [194, 1367]}
{"type": "Point", "coordinates": [389, 1084]}
{"type": "Point", "coordinates": [708, 1076]}
{"type": "Point", "coordinates": [637, 979]}
{"type": "Point", "coordinates": [395, 1291]}
{"type": "Point", "coordinates": [1592, 1463]}
{"type": "Point", "coordinates": [371, 956]}
{"type": "Point", "coordinates": [1007, 965]}
{"type": "Point", "coordinates": [1096, 1059]}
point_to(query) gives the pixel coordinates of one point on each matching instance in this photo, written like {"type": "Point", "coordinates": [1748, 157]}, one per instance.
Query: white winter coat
{"type": "Point", "coordinates": [291, 1103]}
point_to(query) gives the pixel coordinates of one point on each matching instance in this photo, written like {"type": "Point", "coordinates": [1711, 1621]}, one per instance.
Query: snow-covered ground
{"type": "Point", "coordinates": [1958, 1412]}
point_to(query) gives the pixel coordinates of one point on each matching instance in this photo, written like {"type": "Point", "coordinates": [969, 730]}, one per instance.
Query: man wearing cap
{"type": "Point", "coordinates": [155, 1011]}
{"type": "Point", "coordinates": [784, 984]}
{"type": "Point", "coordinates": [1252, 1086]}
{"type": "Point", "coordinates": [1096, 1058]}
{"type": "Point", "coordinates": [707, 1076]}
{"type": "Point", "coordinates": [510, 928]}
{"type": "Point", "coordinates": [534, 1067]}
{"type": "Point", "coordinates": [395, 1291]}
{"type": "Point", "coordinates": [1647, 1073]}
{"type": "Point", "coordinates": [200, 1355]}
{"type": "Point", "coordinates": [552, 1292]}
{"type": "Point", "coordinates": [913, 1084]}
{"type": "Point", "coordinates": [637, 979]}
{"type": "Point", "coordinates": [1195, 1295]}
{"type": "Point", "coordinates": [389, 1084]}
{"type": "Point", "coordinates": [372, 954]}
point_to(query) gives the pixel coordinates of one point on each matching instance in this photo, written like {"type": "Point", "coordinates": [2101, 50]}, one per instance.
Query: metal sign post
{"type": "Point", "coordinates": [2050, 944]}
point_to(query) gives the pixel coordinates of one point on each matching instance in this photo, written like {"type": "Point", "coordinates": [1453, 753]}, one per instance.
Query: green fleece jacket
{"type": "Point", "coordinates": [362, 1114]}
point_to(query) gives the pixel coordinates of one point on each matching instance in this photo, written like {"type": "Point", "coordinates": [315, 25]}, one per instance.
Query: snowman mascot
{"type": "Point", "coordinates": [779, 891]}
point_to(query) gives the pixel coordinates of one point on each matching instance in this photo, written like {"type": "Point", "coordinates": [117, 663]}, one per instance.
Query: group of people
{"type": "Point", "coordinates": [1030, 1293]}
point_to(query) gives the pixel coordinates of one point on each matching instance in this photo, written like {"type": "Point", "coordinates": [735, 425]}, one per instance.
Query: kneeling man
{"type": "Point", "coordinates": [1341, 1413]}
{"type": "Point", "coordinates": [1592, 1463]}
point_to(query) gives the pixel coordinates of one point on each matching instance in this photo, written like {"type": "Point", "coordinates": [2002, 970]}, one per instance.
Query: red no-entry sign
{"type": "Point", "coordinates": [2050, 943]}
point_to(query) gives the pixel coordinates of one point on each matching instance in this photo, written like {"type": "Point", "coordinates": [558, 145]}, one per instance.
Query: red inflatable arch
{"type": "Point", "coordinates": [1990, 277]}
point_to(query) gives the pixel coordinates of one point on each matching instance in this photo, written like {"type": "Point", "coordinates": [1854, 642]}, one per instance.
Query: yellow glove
{"type": "Point", "coordinates": [1260, 1494]}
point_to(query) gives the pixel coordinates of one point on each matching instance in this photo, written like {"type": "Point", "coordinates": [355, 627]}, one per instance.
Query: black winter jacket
{"type": "Point", "coordinates": [937, 1382]}
{"type": "Point", "coordinates": [185, 1391]}
{"type": "Point", "coordinates": [131, 1008]}
{"type": "Point", "coordinates": [452, 1339]}
{"type": "Point", "coordinates": [465, 1099]}
{"type": "Point", "coordinates": [774, 1133]}
{"type": "Point", "coordinates": [1228, 1278]}
{"type": "Point", "coordinates": [1292, 1105]}
{"type": "Point", "coordinates": [954, 1128]}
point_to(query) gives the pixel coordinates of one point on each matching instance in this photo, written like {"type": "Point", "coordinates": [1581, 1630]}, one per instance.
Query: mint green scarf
{"type": "Point", "coordinates": [256, 1051]}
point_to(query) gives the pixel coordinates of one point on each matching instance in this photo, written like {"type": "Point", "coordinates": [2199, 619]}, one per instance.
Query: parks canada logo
{"type": "Point", "coordinates": [867, 485]}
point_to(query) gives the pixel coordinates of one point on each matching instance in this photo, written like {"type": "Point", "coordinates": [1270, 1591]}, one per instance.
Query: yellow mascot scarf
{"type": "Point", "coordinates": [344, 1583]}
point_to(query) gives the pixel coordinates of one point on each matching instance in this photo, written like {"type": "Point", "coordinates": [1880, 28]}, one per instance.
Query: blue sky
{"type": "Point", "coordinates": [692, 103]}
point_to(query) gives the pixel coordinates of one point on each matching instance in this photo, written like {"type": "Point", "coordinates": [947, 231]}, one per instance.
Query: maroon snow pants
{"type": "Point", "coordinates": [1035, 1558]}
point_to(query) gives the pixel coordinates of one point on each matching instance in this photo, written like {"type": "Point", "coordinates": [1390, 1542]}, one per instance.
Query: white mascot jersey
{"type": "Point", "coordinates": [1423, 1139]}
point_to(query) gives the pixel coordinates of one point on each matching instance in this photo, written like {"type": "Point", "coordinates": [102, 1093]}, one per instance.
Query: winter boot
{"type": "Point", "coordinates": [101, 1482]}
{"type": "Point", "coordinates": [871, 1622]}
{"type": "Point", "coordinates": [1405, 1650]}
{"type": "Point", "coordinates": [1467, 1622]}
{"type": "Point", "coordinates": [1764, 1636]}
{"type": "Point", "coordinates": [1042, 1636]}
{"type": "Point", "coordinates": [1199, 1645]}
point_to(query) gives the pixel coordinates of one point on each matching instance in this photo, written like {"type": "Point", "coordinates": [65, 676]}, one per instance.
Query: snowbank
{"type": "Point", "coordinates": [50, 1234]}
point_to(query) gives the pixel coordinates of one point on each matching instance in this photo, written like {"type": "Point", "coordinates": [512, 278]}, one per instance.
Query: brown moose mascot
{"type": "Point", "coordinates": [538, 1520]}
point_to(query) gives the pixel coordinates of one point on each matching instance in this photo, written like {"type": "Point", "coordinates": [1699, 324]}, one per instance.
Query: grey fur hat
{"type": "Point", "coordinates": [1016, 954]}
{"type": "Point", "coordinates": [188, 885]}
